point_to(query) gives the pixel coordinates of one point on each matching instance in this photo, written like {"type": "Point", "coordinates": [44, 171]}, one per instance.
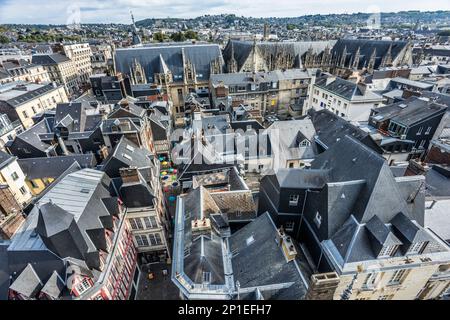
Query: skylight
{"type": "Point", "coordinates": [250, 240]}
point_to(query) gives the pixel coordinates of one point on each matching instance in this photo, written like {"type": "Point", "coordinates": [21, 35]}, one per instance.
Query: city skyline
{"type": "Point", "coordinates": [117, 11]}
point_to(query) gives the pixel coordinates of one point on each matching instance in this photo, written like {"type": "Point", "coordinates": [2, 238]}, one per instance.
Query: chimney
{"type": "Point", "coordinates": [130, 175]}
{"type": "Point", "coordinates": [362, 87]}
{"type": "Point", "coordinates": [200, 227]}
{"type": "Point", "coordinates": [104, 152]}
{"type": "Point", "coordinates": [287, 246]}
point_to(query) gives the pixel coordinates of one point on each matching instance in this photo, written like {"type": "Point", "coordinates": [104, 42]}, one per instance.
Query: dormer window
{"type": "Point", "coordinates": [417, 248]}
{"type": "Point", "coordinates": [387, 251]}
{"type": "Point", "coordinates": [293, 200]}
{"type": "Point", "coordinates": [305, 143]}
{"type": "Point", "coordinates": [206, 277]}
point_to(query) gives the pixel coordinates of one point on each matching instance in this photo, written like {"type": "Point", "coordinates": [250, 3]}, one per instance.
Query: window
{"type": "Point", "coordinates": [388, 251]}
{"type": "Point", "coordinates": [83, 286]}
{"type": "Point", "coordinates": [150, 222]}
{"type": "Point", "coordinates": [386, 297]}
{"type": "Point", "coordinates": [291, 165]}
{"type": "Point", "coordinates": [206, 277]}
{"type": "Point", "coordinates": [398, 277]}
{"type": "Point", "coordinates": [422, 143]}
{"type": "Point", "coordinates": [136, 224]}
{"type": "Point", "coordinates": [33, 184]}
{"type": "Point", "coordinates": [293, 200]}
{"type": "Point", "coordinates": [371, 280]}
{"type": "Point", "coordinates": [133, 224]}
{"type": "Point", "coordinates": [318, 220]}
{"type": "Point", "coordinates": [25, 114]}
{"type": "Point", "coordinates": [34, 110]}
{"type": "Point", "coordinates": [417, 248]}
{"type": "Point", "coordinates": [23, 191]}
{"type": "Point", "coordinates": [155, 239]}
{"type": "Point", "coordinates": [142, 241]}
{"type": "Point", "coordinates": [305, 143]}
{"type": "Point", "coordinates": [289, 226]}
{"type": "Point", "coordinates": [420, 131]}
{"type": "Point", "coordinates": [14, 176]}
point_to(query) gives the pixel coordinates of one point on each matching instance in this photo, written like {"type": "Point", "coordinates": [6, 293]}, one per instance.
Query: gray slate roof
{"type": "Point", "coordinates": [201, 55]}
{"type": "Point", "coordinates": [53, 167]}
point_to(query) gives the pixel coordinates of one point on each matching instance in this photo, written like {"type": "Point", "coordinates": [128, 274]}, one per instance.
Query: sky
{"type": "Point", "coordinates": [101, 11]}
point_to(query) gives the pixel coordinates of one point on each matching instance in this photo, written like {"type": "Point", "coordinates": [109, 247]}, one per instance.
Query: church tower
{"type": "Point", "coordinates": [136, 38]}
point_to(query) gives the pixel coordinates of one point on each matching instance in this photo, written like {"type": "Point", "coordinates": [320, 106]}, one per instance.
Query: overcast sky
{"type": "Point", "coordinates": [88, 11]}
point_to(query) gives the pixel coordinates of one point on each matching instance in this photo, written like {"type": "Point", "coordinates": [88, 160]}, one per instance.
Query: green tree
{"type": "Point", "coordinates": [191, 35]}
{"type": "Point", "coordinates": [178, 37]}
{"type": "Point", "coordinates": [4, 39]}
{"type": "Point", "coordinates": [158, 36]}
{"type": "Point", "coordinates": [291, 26]}
{"type": "Point", "coordinates": [445, 33]}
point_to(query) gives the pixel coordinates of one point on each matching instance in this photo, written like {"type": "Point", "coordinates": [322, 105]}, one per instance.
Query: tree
{"type": "Point", "coordinates": [291, 26]}
{"type": "Point", "coordinates": [158, 36]}
{"type": "Point", "coordinates": [191, 35]}
{"type": "Point", "coordinates": [4, 39]}
{"type": "Point", "coordinates": [178, 37]}
{"type": "Point", "coordinates": [445, 33]}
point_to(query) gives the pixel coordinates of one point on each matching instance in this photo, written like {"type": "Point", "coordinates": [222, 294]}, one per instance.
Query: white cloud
{"type": "Point", "coordinates": [59, 12]}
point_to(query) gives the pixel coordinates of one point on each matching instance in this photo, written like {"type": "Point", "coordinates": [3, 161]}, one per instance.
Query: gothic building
{"type": "Point", "coordinates": [341, 57]}
{"type": "Point", "coordinates": [178, 68]}
{"type": "Point", "coordinates": [244, 56]}
{"type": "Point", "coordinates": [369, 55]}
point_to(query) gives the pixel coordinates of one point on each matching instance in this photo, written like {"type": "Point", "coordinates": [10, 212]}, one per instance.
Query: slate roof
{"type": "Point", "coordinates": [53, 167]}
{"type": "Point", "coordinates": [262, 262]}
{"type": "Point", "coordinates": [286, 137]}
{"type": "Point", "coordinates": [367, 47]}
{"type": "Point", "coordinates": [296, 50]}
{"type": "Point", "coordinates": [31, 136]}
{"type": "Point", "coordinates": [77, 196]}
{"type": "Point", "coordinates": [5, 159]}
{"type": "Point", "coordinates": [409, 112]}
{"type": "Point", "coordinates": [331, 129]}
{"type": "Point", "coordinates": [27, 283]}
{"type": "Point", "coordinates": [347, 89]}
{"type": "Point", "coordinates": [200, 55]}
{"type": "Point", "coordinates": [49, 59]}
{"type": "Point", "coordinates": [54, 286]}
{"type": "Point", "coordinates": [350, 160]}
{"type": "Point", "coordinates": [125, 155]}
{"type": "Point", "coordinates": [438, 182]}
{"type": "Point", "coordinates": [29, 91]}
{"type": "Point", "coordinates": [75, 117]}
{"type": "Point", "coordinates": [4, 270]}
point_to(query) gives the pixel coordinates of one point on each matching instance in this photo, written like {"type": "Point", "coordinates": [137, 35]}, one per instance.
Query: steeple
{"type": "Point", "coordinates": [136, 38]}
